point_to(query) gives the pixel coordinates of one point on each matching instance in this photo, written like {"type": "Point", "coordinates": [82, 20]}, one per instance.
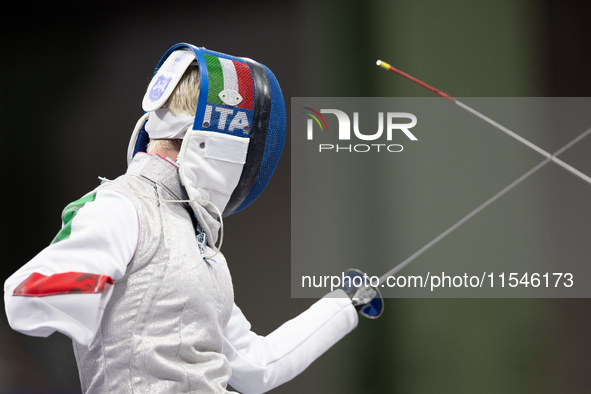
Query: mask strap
{"type": "Point", "coordinates": [200, 201]}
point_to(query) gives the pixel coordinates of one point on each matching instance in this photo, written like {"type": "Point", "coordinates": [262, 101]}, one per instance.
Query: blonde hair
{"type": "Point", "coordinates": [183, 100]}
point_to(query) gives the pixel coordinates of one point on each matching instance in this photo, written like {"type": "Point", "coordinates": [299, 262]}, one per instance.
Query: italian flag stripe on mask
{"type": "Point", "coordinates": [229, 74]}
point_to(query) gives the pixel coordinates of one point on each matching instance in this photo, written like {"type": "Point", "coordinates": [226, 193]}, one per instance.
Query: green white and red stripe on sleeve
{"type": "Point", "coordinates": [67, 285]}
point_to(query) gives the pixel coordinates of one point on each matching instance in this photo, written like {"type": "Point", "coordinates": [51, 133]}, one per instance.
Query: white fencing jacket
{"type": "Point", "coordinates": [125, 280]}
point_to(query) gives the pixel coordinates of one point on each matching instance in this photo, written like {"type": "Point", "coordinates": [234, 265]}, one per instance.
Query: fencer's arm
{"type": "Point", "coordinates": [67, 285]}
{"type": "Point", "coordinates": [261, 363]}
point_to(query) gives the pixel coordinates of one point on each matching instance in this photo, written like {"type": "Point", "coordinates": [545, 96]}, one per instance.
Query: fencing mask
{"type": "Point", "coordinates": [231, 145]}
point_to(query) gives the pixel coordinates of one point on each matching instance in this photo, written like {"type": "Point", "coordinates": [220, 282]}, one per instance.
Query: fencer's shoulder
{"type": "Point", "coordinates": [127, 186]}
{"type": "Point", "coordinates": [100, 205]}
{"type": "Point", "coordinates": [106, 198]}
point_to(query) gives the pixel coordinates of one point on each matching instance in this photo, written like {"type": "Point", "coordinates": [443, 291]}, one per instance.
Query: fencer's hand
{"type": "Point", "coordinates": [366, 299]}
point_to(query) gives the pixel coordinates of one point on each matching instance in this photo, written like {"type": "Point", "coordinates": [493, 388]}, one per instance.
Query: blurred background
{"type": "Point", "coordinates": [73, 80]}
